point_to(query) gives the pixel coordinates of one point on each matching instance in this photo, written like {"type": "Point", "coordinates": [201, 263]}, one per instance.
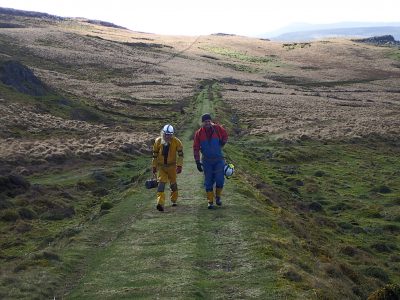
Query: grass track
{"type": "Point", "coordinates": [186, 252]}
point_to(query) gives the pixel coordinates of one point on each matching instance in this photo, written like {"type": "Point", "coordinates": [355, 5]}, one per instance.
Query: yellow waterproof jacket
{"type": "Point", "coordinates": [167, 156]}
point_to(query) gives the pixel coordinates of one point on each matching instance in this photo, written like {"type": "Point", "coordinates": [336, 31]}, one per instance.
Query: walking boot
{"type": "Point", "coordinates": [218, 192]}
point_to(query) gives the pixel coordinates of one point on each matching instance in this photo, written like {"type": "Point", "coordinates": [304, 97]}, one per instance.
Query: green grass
{"type": "Point", "coordinates": [188, 251]}
{"type": "Point", "coordinates": [123, 170]}
{"type": "Point", "coordinates": [92, 190]}
{"type": "Point", "coordinates": [258, 63]}
{"type": "Point", "coordinates": [336, 201]}
{"type": "Point", "coordinates": [308, 220]}
{"type": "Point", "coordinates": [293, 46]}
{"type": "Point", "coordinates": [298, 221]}
{"type": "Point", "coordinates": [242, 68]}
{"type": "Point", "coordinates": [394, 54]}
{"type": "Point", "coordinates": [243, 56]}
{"type": "Point", "coordinates": [330, 196]}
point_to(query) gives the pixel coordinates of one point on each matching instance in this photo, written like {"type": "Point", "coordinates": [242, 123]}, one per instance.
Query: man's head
{"type": "Point", "coordinates": [167, 132]}
{"type": "Point", "coordinates": [206, 120]}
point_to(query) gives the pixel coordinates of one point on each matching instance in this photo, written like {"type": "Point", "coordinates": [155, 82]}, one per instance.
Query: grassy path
{"type": "Point", "coordinates": [188, 251]}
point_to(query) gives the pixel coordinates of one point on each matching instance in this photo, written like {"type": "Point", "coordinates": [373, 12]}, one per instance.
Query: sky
{"type": "Point", "coordinates": [186, 17]}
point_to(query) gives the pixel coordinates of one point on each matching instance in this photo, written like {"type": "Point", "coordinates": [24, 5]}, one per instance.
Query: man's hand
{"type": "Point", "coordinates": [154, 170]}
{"type": "Point", "coordinates": [199, 166]}
{"type": "Point", "coordinates": [179, 169]}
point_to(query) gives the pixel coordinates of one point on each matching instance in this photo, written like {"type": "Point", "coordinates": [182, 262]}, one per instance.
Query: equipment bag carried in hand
{"type": "Point", "coordinates": [151, 183]}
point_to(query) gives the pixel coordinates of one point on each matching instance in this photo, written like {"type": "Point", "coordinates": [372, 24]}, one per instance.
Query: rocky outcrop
{"type": "Point", "coordinates": [21, 78]}
{"type": "Point", "coordinates": [384, 40]}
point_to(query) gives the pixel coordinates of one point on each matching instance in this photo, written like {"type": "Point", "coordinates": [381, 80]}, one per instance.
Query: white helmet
{"type": "Point", "coordinates": [228, 170]}
{"type": "Point", "coordinates": [168, 129]}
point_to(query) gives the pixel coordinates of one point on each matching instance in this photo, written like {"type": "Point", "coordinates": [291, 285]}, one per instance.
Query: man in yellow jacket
{"type": "Point", "coordinates": [168, 160]}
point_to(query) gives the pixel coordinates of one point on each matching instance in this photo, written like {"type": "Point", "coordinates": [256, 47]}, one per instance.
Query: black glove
{"type": "Point", "coordinates": [199, 166]}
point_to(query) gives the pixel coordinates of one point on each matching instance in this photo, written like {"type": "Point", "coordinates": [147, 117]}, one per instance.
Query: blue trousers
{"type": "Point", "coordinates": [213, 174]}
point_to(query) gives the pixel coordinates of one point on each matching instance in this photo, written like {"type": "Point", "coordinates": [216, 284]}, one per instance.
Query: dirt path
{"type": "Point", "coordinates": [186, 251]}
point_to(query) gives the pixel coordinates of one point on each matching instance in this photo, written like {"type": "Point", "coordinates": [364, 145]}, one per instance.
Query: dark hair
{"type": "Point", "coordinates": [205, 117]}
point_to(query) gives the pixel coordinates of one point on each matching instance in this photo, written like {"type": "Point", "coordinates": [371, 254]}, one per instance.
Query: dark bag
{"type": "Point", "coordinates": [151, 183]}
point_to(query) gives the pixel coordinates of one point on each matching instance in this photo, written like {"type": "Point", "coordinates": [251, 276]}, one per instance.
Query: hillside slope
{"type": "Point", "coordinates": [314, 129]}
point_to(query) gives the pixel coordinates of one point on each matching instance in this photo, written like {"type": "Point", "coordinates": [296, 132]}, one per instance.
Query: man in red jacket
{"type": "Point", "coordinates": [210, 139]}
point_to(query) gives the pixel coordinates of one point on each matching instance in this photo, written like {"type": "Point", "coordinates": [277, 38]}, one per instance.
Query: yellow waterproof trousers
{"type": "Point", "coordinates": [210, 195]}
{"type": "Point", "coordinates": [167, 174]}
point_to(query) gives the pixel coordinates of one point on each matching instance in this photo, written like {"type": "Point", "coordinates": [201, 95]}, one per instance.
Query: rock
{"type": "Point", "coordinates": [384, 40]}
{"type": "Point", "coordinates": [21, 78]}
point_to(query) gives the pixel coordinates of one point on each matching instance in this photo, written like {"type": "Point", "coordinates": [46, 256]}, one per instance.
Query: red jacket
{"type": "Point", "coordinates": [210, 142]}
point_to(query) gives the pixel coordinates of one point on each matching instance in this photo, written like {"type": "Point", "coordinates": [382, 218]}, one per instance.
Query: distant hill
{"type": "Point", "coordinates": [33, 14]}
{"type": "Point", "coordinates": [25, 13]}
{"type": "Point", "coordinates": [307, 32]}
